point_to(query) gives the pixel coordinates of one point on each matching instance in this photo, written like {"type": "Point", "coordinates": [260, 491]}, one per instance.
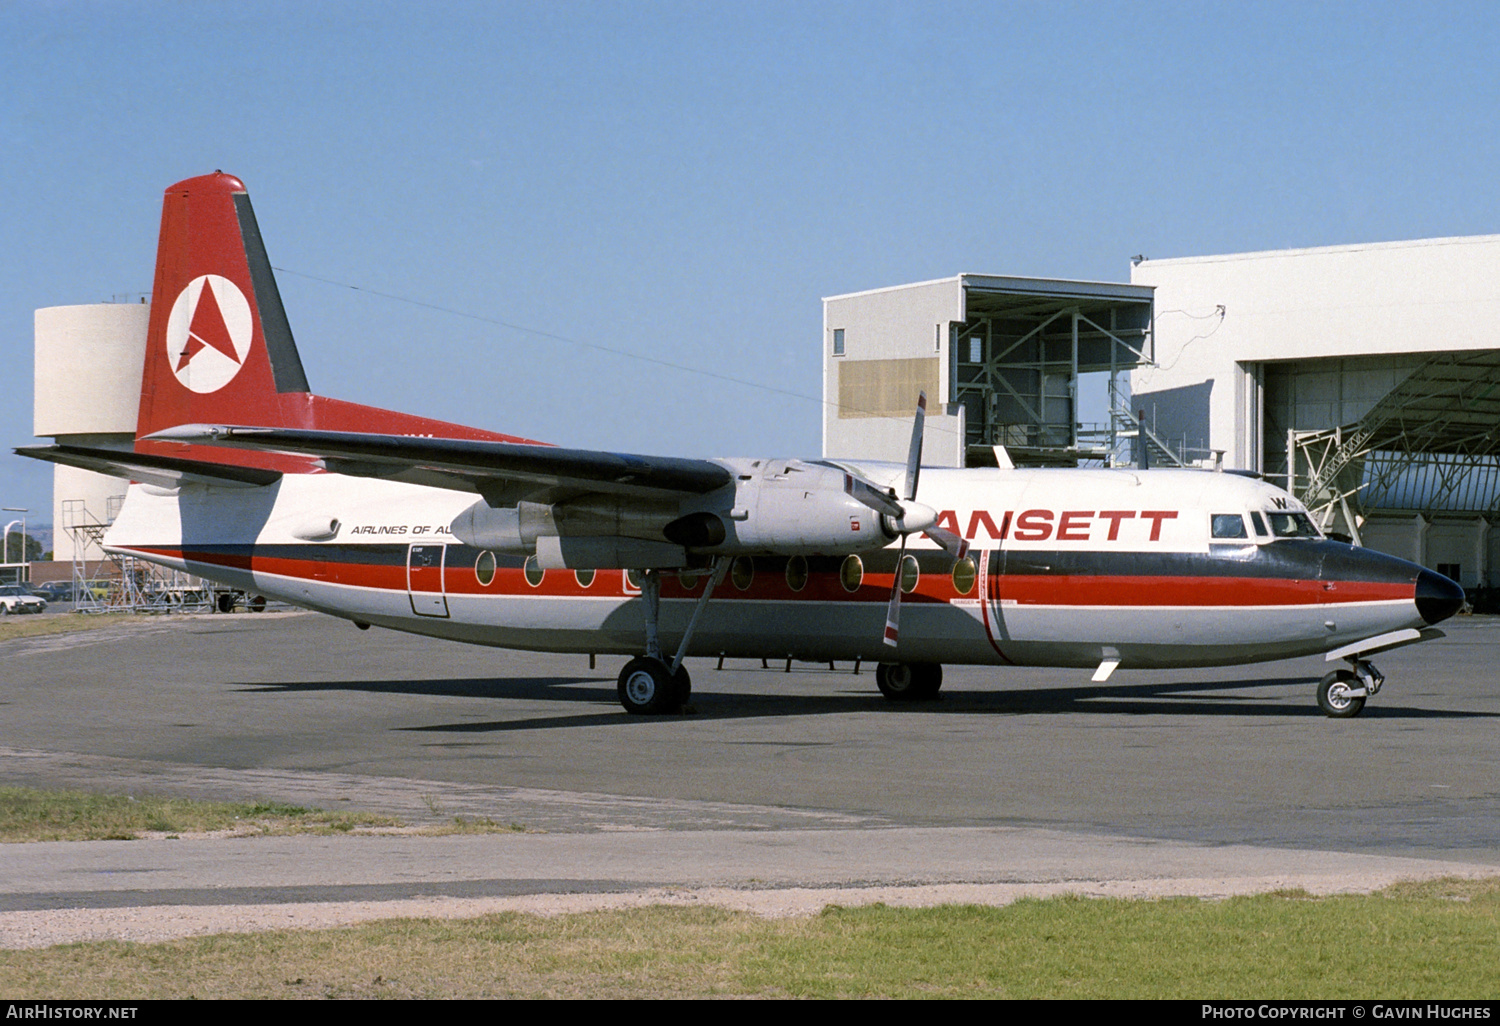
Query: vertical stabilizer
{"type": "Point", "coordinates": [219, 349]}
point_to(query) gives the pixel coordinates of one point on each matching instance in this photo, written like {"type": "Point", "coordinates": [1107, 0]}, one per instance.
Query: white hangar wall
{"type": "Point", "coordinates": [897, 339]}
{"type": "Point", "coordinates": [1221, 319]}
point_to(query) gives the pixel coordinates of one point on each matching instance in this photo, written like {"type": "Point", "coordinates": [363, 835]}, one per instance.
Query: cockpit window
{"type": "Point", "coordinates": [1292, 525]}
{"type": "Point", "coordinates": [1229, 525]}
{"type": "Point", "coordinates": [1259, 522]}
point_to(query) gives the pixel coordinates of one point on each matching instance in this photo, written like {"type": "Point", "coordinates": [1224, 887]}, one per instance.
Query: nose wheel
{"type": "Point", "coordinates": [1342, 693]}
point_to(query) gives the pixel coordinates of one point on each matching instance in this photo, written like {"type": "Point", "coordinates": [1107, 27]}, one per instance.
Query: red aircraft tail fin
{"type": "Point", "coordinates": [219, 349]}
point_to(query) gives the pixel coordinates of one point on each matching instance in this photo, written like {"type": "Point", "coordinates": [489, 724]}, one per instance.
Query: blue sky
{"type": "Point", "coordinates": [685, 181]}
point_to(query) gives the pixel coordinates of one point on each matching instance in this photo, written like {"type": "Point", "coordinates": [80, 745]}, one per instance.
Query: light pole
{"type": "Point", "coordinates": [22, 522]}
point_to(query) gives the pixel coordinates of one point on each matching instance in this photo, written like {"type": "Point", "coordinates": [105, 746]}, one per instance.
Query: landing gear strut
{"type": "Point", "coordinates": [1342, 693]}
{"type": "Point", "coordinates": [909, 682]}
{"type": "Point", "coordinates": [649, 684]}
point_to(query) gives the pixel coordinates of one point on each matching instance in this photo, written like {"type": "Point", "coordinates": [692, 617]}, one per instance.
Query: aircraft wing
{"type": "Point", "coordinates": [165, 471]}
{"type": "Point", "coordinates": [503, 472]}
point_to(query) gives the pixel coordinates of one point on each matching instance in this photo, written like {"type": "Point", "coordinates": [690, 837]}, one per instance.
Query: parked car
{"type": "Point", "coordinates": [56, 591]}
{"type": "Point", "coordinates": [15, 599]}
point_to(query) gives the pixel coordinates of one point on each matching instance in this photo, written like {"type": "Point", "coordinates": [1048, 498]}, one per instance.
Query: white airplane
{"type": "Point", "coordinates": [241, 475]}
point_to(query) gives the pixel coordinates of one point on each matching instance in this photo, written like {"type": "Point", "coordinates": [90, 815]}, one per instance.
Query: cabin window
{"type": "Point", "coordinates": [852, 573]}
{"type": "Point", "coordinates": [583, 577]}
{"type": "Point", "coordinates": [1260, 524]}
{"type": "Point", "coordinates": [1229, 525]}
{"type": "Point", "coordinates": [910, 574]}
{"type": "Point", "coordinates": [964, 575]}
{"type": "Point", "coordinates": [534, 572]}
{"type": "Point", "coordinates": [796, 573]}
{"type": "Point", "coordinates": [484, 568]}
{"type": "Point", "coordinates": [742, 572]}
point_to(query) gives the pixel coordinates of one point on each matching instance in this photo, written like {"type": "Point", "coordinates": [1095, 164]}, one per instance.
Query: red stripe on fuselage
{"type": "Point", "coordinates": [1080, 590]}
{"type": "Point", "coordinates": [1043, 589]}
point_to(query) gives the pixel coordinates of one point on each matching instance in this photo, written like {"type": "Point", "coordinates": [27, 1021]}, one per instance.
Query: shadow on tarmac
{"type": "Point", "coordinates": [1178, 699]}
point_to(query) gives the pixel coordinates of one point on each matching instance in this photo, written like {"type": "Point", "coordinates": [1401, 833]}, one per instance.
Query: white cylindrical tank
{"type": "Point", "coordinates": [87, 392]}
{"type": "Point", "coordinates": [88, 368]}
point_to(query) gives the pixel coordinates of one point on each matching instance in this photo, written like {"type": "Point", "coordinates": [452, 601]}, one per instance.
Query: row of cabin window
{"type": "Point", "coordinates": [742, 573]}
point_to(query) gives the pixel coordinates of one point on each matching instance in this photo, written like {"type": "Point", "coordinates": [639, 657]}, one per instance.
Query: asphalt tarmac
{"type": "Point", "coordinates": [772, 779]}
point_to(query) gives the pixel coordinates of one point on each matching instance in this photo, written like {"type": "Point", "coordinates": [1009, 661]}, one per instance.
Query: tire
{"type": "Point", "coordinates": [909, 682]}
{"type": "Point", "coordinates": [4, 609]}
{"type": "Point", "coordinates": [929, 680]}
{"type": "Point", "coordinates": [258, 604]}
{"type": "Point", "coordinates": [684, 685]}
{"type": "Point", "coordinates": [647, 687]}
{"type": "Point", "coordinates": [1333, 697]}
{"type": "Point", "coordinates": [226, 603]}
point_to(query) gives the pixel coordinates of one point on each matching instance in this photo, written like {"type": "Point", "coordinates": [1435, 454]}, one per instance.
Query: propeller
{"type": "Point", "coordinates": [905, 516]}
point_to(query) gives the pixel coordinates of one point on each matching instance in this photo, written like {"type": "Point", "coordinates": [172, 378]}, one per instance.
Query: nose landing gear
{"type": "Point", "coordinates": [1342, 693]}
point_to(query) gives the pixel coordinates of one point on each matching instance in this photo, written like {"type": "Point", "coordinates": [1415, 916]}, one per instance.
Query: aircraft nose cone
{"type": "Point", "coordinates": [1437, 597]}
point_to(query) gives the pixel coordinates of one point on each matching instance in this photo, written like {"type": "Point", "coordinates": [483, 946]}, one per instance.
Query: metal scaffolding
{"type": "Point", "coordinates": [1432, 443]}
{"type": "Point", "coordinates": [1015, 369]}
{"type": "Point", "coordinates": [106, 582]}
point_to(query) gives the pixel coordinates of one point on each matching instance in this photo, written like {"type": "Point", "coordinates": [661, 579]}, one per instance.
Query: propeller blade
{"type": "Point", "coordinates": [914, 456]}
{"type": "Point", "coordinates": [879, 499]}
{"type": "Point", "coordinates": [893, 609]}
{"type": "Point", "coordinates": [956, 546]}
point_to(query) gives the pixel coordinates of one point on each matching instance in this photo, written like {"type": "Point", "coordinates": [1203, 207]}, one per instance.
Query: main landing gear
{"type": "Point", "coordinates": [909, 682]}
{"type": "Point", "coordinates": [651, 684]}
{"type": "Point", "coordinates": [1342, 693]}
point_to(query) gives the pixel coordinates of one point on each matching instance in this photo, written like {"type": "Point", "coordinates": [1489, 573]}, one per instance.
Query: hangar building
{"type": "Point", "coordinates": [1002, 361]}
{"type": "Point", "coordinates": [1364, 378]}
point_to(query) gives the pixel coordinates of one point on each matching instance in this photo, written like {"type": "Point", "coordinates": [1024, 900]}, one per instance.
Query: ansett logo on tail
{"type": "Point", "coordinates": [209, 333]}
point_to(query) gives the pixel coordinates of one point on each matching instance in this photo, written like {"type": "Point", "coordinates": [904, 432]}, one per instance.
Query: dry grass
{"type": "Point", "coordinates": [35, 625]}
{"type": "Point", "coordinates": [32, 815]}
{"type": "Point", "coordinates": [1421, 941]}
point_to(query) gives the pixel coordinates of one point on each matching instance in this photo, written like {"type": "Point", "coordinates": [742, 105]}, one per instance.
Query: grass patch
{"type": "Point", "coordinates": [1428, 941]}
{"type": "Point", "coordinates": [36, 625]}
{"type": "Point", "coordinates": [33, 815]}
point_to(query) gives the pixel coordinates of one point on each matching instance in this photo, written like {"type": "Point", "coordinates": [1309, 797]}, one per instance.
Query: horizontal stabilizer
{"type": "Point", "coordinates": [163, 471]}
{"type": "Point", "coordinates": [512, 470]}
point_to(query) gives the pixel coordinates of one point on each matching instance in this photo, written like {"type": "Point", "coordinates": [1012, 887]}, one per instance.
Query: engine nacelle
{"type": "Point", "coordinates": [513, 529]}
{"type": "Point", "coordinates": [784, 506]}
{"type": "Point", "coordinates": [781, 507]}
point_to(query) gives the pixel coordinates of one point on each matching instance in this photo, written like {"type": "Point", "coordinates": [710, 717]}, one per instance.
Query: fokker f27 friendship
{"type": "Point", "coordinates": [241, 475]}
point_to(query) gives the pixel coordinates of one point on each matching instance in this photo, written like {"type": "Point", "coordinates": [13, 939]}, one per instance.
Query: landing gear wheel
{"type": "Point", "coordinates": [648, 688]}
{"type": "Point", "coordinates": [258, 604]}
{"type": "Point", "coordinates": [909, 682]}
{"type": "Point", "coordinates": [1334, 697]}
{"type": "Point", "coordinates": [226, 603]}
